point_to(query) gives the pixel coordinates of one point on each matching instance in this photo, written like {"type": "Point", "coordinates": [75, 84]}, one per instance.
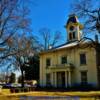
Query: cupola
{"type": "Point", "coordinates": [73, 27]}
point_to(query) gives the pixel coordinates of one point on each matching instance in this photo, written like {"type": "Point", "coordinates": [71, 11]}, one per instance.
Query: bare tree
{"type": "Point", "coordinates": [15, 46]}
{"type": "Point", "coordinates": [13, 20]}
{"type": "Point", "coordinates": [24, 47]}
{"type": "Point", "coordinates": [21, 44]}
{"type": "Point", "coordinates": [89, 12]}
{"type": "Point", "coordinates": [48, 39]}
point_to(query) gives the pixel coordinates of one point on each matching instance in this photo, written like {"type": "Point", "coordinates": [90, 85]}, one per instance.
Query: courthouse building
{"type": "Point", "coordinates": [75, 62]}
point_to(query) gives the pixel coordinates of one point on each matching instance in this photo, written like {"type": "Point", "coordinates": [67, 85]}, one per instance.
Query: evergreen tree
{"type": "Point", "coordinates": [12, 78]}
{"type": "Point", "coordinates": [32, 72]}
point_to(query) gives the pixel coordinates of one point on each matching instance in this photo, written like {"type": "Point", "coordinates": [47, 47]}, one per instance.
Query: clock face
{"type": "Point", "coordinates": [71, 28]}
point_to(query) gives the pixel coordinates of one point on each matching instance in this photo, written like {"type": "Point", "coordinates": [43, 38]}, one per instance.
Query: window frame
{"type": "Point", "coordinates": [48, 79]}
{"type": "Point", "coordinates": [84, 77]}
{"type": "Point", "coordinates": [63, 61]}
{"type": "Point", "coordinates": [74, 35]}
{"type": "Point", "coordinates": [83, 59]}
{"type": "Point", "coordinates": [70, 36]}
{"type": "Point", "coordinates": [48, 63]}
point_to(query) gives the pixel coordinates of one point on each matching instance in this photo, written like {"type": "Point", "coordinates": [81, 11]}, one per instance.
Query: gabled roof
{"type": "Point", "coordinates": [65, 45]}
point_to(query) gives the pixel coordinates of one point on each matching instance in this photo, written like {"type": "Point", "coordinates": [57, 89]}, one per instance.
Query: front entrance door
{"type": "Point", "coordinates": [60, 79]}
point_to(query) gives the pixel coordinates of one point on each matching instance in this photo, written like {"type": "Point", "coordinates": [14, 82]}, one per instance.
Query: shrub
{"type": "Point", "coordinates": [82, 87]}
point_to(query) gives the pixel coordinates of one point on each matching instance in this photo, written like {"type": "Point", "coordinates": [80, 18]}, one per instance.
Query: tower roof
{"type": "Point", "coordinates": [72, 19]}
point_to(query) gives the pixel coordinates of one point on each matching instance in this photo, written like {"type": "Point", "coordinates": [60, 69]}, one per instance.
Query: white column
{"type": "Point", "coordinates": [66, 79]}
{"type": "Point", "coordinates": [52, 79]}
{"type": "Point", "coordinates": [41, 73]}
{"type": "Point", "coordinates": [55, 79]}
{"type": "Point", "coordinates": [69, 78]}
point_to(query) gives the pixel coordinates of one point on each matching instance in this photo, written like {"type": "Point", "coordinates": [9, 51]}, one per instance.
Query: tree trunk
{"type": "Point", "coordinates": [22, 81]}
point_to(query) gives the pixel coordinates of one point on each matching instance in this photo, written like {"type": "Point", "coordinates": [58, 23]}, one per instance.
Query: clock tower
{"type": "Point", "coordinates": [73, 28]}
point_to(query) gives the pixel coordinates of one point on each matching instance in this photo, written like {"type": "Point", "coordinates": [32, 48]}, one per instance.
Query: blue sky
{"type": "Point", "coordinates": [51, 14]}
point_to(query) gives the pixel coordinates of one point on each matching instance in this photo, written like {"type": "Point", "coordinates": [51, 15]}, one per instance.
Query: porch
{"type": "Point", "coordinates": [60, 75]}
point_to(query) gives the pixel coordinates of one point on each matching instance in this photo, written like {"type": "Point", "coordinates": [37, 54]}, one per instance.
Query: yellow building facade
{"type": "Point", "coordinates": [71, 63]}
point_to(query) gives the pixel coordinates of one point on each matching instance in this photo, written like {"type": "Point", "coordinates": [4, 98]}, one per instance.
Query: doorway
{"type": "Point", "coordinates": [61, 79]}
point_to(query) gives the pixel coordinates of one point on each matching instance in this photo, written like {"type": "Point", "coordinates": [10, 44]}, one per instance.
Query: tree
{"type": "Point", "coordinates": [13, 20]}
{"type": "Point", "coordinates": [32, 72]}
{"type": "Point", "coordinates": [25, 47]}
{"type": "Point", "coordinates": [12, 78]}
{"type": "Point", "coordinates": [21, 45]}
{"type": "Point", "coordinates": [90, 15]}
{"type": "Point", "coordinates": [89, 12]}
{"type": "Point", "coordinates": [20, 79]}
{"type": "Point", "coordinates": [47, 39]}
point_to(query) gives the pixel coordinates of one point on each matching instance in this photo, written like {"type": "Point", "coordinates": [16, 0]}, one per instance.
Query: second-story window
{"type": "Point", "coordinates": [83, 59]}
{"type": "Point", "coordinates": [63, 60]}
{"type": "Point", "coordinates": [48, 62]}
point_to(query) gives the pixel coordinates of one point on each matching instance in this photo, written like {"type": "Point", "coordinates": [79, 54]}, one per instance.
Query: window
{"type": "Point", "coordinates": [70, 36]}
{"type": "Point", "coordinates": [63, 60]}
{"type": "Point", "coordinates": [82, 58]}
{"type": "Point", "coordinates": [71, 28]}
{"type": "Point", "coordinates": [48, 82]}
{"type": "Point", "coordinates": [73, 35]}
{"type": "Point", "coordinates": [84, 77]}
{"type": "Point", "coordinates": [48, 62]}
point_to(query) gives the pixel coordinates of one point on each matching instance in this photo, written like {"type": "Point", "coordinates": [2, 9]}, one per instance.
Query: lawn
{"type": "Point", "coordinates": [6, 95]}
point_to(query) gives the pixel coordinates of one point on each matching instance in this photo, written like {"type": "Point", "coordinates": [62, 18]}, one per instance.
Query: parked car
{"type": "Point", "coordinates": [7, 85]}
{"type": "Point", "coordinates": [31, 83]}
{"type": "Point", "coordinates": [27, 85]}
{"type": "Point", "coordinates": [15, 85]}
